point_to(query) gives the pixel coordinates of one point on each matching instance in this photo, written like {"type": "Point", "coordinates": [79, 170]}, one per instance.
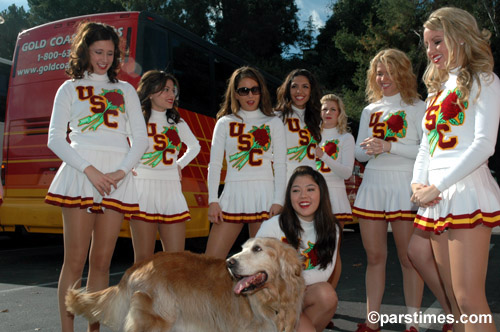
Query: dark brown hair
{"type": "Point", "coordinates": [312, 115]}
{"type": "Point", "coordinates": [88, 33]}
{"type": "Point", "coordinates": [152, 82]}
{"type": "Point", "coordinates": [230, 105]}
{"type": "Point", "coordinates": [324, 219]}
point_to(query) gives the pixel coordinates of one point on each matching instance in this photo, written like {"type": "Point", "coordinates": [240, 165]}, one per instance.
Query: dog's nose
{"type": "Point", "coordinates": [231, 262]}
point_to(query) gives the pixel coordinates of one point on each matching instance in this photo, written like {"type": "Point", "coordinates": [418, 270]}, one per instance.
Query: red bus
{"type": "Point", "coordinates": [149, 42]}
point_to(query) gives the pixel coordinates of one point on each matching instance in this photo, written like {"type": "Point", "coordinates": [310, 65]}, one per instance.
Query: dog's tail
{"type": "Point", "coordinates": [108, 306]}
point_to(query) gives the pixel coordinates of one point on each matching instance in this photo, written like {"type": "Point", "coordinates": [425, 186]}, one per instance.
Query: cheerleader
{"type": "Point", "coordinates": [300, 110]}
{"type": "Point", "coordinates": [336, 155]}
{"type": "Point", "coordinates": [388, 139]}
{"type": "Point", "coordinates": [94, 185]}
{"type": "Point", "coordinates": [313, 230]}
{"type": "Point", "coordinates": [253, 140]}
{"type": "Point", "coordinates": [458, 198]}
{"type": "Point", "coordinates": [163, 207]}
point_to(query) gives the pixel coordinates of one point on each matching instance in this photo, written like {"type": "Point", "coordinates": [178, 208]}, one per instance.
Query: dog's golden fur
{"type": "Point", "coordinates": [193, 292]}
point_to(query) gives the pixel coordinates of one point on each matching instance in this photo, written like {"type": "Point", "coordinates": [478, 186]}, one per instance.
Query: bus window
{"type": "Point", "coordinates": [191, 66]}
{"type": "Point", "coordinates": [5, 66]}
{"type": "Point", "coordinates": [223, 70]}
{"type": "Point", "coordinates": [155, 48]}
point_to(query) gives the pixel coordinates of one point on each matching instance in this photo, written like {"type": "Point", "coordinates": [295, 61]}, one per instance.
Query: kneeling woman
{"type": "Point", "coordinates": [308, 224]}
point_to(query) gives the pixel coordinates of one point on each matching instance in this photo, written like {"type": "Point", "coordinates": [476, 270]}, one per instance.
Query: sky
{"type": "Point", "coordinates": [318, 9]}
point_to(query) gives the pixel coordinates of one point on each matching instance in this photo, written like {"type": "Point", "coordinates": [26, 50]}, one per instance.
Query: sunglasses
{"type": "Point", "coordinates": [245, 91]}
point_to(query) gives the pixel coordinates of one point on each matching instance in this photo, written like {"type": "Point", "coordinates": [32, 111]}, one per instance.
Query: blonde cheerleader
{"type": "Point", "coordinates": [458, 199]}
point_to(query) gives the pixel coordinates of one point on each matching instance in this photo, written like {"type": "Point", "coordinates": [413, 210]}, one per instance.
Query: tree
{"type": "Point", "coordinates": [43, 11]}
{"type": "Point", "coordinates": [259, 31]}
{"type": "Point", "coordinates": [193, 15]}
{"type": "Point", "coordinates": [16, 20]}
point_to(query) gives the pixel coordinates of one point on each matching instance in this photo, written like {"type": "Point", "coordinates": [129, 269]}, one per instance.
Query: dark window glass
{"type": "Point", "coordinates": [4, 84]}
{"type": "Point", "coordinates": [223, 71]}
{"type": "Point", "coordinates": [191, 67]}
{"type": "Point", "coordinates": [155, 49]}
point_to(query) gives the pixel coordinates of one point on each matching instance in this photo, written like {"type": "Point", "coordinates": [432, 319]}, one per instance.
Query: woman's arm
{"type": "Point", "coordinates": [137, 127]}
{"type": "Point", "coordinates": [58, 129]}
{"type": "Point", "coordinates": [192, 144]}
{"type": "Point", "coordinates": [359, 152]}
{"type": "Point", "coordinates": [278, 141]}
{"type": "Point", "coordinates": [342, 168]}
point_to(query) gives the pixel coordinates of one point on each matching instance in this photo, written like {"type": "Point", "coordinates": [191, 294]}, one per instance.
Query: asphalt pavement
{"type": "Point", "coordinates": [30, 266]}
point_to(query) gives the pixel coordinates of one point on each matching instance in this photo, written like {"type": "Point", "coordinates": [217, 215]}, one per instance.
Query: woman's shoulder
{"type": "Point", "coordinates": [418, 106]}
{"type": "Point", "coordinates": [347, 136]}
{"type": "Point", "coordinates": [275, 120]}
{"type": "Point", "coordinates": [70, 85]}
{"type": "Point", "coordinates": [272, 222]}
{"type": "Point", "coordinates": [125, 85]}
{"type": "Point", "coordinates": [489, 80]}
{"type": "Point", "coordinates": [373, 106]}
{"type": "Point", "coordinates": [228, 118]}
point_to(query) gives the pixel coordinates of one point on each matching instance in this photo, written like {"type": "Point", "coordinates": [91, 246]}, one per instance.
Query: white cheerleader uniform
{"type": "Point", "coordinates": [312, 273]}
{"type": "Point", "coordinates": [255, 156]}
{"type": "Point", "coordinates": [336, 166]}
{"type": "Point", "coordinates": [385, 192]}
{"type": "Point", "coordinates": [453, 157]}
{"type": "Point", "coordinates": [300, 145]}
{"type": "Point", "coordinates": [157, 181]}
{"type": "Point", "coordinates": [101, 115]}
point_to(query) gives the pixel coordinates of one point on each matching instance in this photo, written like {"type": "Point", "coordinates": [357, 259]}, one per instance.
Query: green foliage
{"type": "Point", "coordinates": [194, 15]}
{"type": "Point", "coordinates": [358, 29]}
{"type": "Point", "coordinates": [16, 20]}
{"type": "Point", "coordinates": [263, 31]}
{"type": "Point", "coordinates": [256, 29]}
{"type": "Point", "coordinates": [43, 11]}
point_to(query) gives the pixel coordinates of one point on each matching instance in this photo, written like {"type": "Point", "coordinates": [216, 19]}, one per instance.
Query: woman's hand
{"type": "Point", "coordinates": [425, 196]}
{"type": "Point", "coordinates": [416, 186]}
{"type": "Point", "coordinates": [319, 152]}
{"type": "Point", "coordinates": [102, 182]}
{"type": "Point", "coordinates": [215, 213]}
{"type": "Point", "coordinates": [275, 210]}
{"type": "Point", "coordinates": [116, 176]}
{"type": "Point", "coordinates": [375, 146]}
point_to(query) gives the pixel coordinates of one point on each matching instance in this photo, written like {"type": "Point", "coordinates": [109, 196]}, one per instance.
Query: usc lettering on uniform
{"type": "Point", "coordinates": [249, 150]}
{"type": "Point", "coordinates": [162, 146]}
{"type": "Point", "coordinates": [377, 125]}
{"type": "Point", "coordinates": [103, 106]}
{"type": "Point", "coordinates": [440, 117]}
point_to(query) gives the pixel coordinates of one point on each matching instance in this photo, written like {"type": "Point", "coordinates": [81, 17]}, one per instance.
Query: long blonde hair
{"type": "Point", "coordinates": [342, 118]}
{"type": "Point", "coordinates": [400, 71]}
{"type": "Point", "coordinates": [468, 48]}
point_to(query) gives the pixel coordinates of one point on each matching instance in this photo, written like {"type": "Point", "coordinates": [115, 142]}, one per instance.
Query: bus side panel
{"type": "Point", "coordinates": [38, 71]}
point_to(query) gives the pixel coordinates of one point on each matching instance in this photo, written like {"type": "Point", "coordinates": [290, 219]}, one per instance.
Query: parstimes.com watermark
{"type": "Point", "coordinates": [420, 318]}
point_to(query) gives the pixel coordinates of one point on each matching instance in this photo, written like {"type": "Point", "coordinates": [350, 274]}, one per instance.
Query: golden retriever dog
{"type": "Point", "coordinates": [259, 289]}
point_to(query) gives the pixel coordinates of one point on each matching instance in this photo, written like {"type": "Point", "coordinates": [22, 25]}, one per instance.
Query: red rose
{"type": "Point", "coordinates": [115, 98]}
{"type": "Point", "coordinates": [330, 148]}
{"type": "Point", "coordinates": [395, 123]}
{"type": "Point", "coordinates": [313, 256]}
{"type": "Point", "coordinates": [173, 137]}
{"type": "Point", "coordinates": [449, 106]}
{"type": "Point", "coordinates": [261, 137]}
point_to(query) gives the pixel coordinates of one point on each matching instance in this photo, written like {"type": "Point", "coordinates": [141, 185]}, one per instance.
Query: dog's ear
{"type": "Point", "coordinates": [290, 262]}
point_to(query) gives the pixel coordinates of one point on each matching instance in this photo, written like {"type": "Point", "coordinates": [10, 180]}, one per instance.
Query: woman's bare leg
{"type": "Point", "coordinates": [374, 236]}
